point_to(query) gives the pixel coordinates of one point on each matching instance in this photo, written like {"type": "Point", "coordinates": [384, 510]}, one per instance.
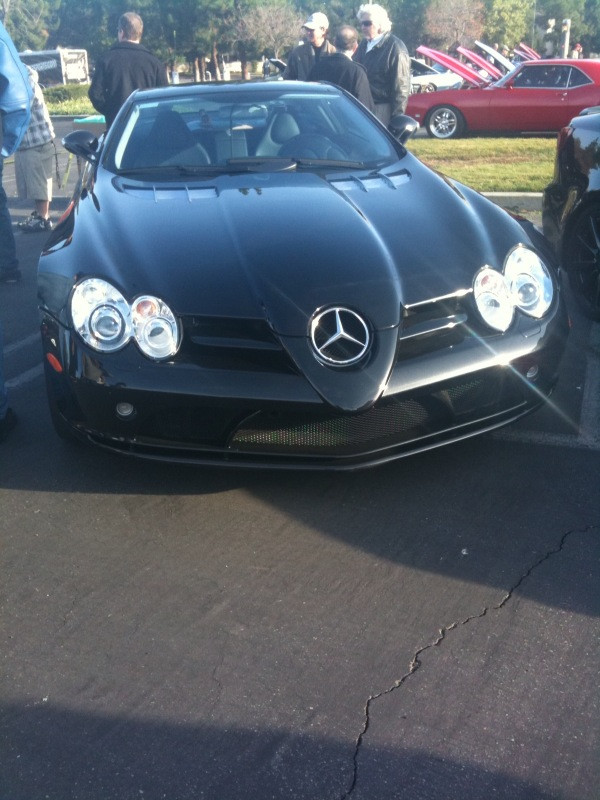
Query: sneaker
{"type": "Point", "coordinates": [35, 224]}
{"type": "Point", "coordinates": [27, 221]}
{"type": "Point", "coordinates": [10, 275]}
{"type": "Point", "coordinates": [7, 424]}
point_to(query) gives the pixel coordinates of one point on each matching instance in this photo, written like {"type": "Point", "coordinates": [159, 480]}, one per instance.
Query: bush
{"type": "Point", "coordinates": [72, 98]}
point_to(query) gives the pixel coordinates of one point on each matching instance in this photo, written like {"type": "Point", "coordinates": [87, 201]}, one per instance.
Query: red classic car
{"type": "Point", "coordinates": [537, 96]}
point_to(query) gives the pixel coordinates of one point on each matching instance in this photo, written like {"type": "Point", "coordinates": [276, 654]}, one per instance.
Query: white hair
{"type": "Point", "coordinates": [377, 14]}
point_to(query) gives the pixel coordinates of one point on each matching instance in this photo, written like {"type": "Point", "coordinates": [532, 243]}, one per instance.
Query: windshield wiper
{"type": "Point", "coordinates": [180, 169]}
{"type": "Point", "coordinates": [329, 164]}
{"type": "Point", "coordinates": [259, 163]}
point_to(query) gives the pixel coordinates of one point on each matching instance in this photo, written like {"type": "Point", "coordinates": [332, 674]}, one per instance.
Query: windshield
{"type": "Point", "coordinates": [223, 132]}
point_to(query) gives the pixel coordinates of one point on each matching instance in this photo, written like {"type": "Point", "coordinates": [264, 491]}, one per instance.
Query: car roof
{"type": "Point", "coordinates": [249, 88]}
{"type": "Point", "coordinates": [591, 66]}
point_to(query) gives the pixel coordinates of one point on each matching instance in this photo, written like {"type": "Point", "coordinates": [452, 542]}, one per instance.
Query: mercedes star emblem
{"type": "Point", "coordinates": [339, 336]}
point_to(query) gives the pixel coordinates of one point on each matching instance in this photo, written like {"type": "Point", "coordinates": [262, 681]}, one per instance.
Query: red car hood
{"type": "Point", "coordinates": [465, 72]}
{"type": "Point", "coordinates": [481, 62]}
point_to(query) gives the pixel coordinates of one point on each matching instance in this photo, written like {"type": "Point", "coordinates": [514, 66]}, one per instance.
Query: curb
{"type": "Point", "coordinates": [517, 201]}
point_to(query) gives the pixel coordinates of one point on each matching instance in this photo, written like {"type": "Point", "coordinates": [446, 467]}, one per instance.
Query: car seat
{"type": "Point", "coordinates": [280, 129]}
{"type": "Point", "coordinates": [170, 141]}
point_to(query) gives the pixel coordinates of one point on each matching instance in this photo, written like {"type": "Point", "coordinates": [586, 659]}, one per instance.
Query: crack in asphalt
{"type": "Point", "coordinates": [416, 662]}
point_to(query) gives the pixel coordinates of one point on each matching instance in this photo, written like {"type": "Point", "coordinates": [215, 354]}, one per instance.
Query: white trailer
{"type": "Point", "coordinates": [59, 66]}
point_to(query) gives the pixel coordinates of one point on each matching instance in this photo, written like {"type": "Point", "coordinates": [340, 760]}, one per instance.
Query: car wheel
{"type": "Point", "coordinates": [445, 122]}
{"type": "Point", "coordinates": [431, 87]}
{"type": "Point", "coordinates": [582, 260]}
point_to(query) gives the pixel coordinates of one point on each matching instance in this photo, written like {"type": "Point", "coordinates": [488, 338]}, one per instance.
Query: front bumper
{"type": "Point", "coordinates": [274, 418]}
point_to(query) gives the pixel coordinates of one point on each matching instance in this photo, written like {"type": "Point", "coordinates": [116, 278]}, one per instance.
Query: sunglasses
{"type": "Point", "coordinates": [366, 23]}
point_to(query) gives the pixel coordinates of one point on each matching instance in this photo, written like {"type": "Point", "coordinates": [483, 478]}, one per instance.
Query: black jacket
{"type": "Point", "coordinates": [125, 67]}
{"type": "Point", "coordinates": [388, 71]}
{"type": "Point", "coordinates": [339, 69]}
{"type": "Point", "coordinates": [302, 58]}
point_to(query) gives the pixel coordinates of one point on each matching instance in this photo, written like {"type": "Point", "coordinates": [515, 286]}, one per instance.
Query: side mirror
{"type": "Point", "coordinates": [82, 144]}
{"type": "Point", "coordinates": [403, 127]}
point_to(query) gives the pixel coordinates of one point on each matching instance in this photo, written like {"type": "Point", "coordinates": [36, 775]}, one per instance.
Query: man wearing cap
{"type": "Point", "coordinates": [302, 58]}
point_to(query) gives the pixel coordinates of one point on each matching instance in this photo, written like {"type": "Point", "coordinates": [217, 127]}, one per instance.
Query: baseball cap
{"type": "Point", "coordinates": [317, 20]}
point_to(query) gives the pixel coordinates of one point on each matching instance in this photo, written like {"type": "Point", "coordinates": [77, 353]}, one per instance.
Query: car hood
{"type": "Point", "coordinates": [281, 246]}
{"type": "Point", "coordinates": [465, 72]}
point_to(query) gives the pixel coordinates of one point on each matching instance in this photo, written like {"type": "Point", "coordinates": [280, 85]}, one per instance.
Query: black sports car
{"type": "Point", "coordinates": [571, 207]}
{"type": "Point", "coordinates": [261, 274]}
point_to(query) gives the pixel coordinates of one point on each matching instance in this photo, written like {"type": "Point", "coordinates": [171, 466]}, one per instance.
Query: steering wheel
{"type": "Point", "coordinates": [312, 145]}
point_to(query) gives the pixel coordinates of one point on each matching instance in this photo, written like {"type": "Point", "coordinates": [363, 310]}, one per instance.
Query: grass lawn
{"type": "Point", "coordinates": [488, 164]}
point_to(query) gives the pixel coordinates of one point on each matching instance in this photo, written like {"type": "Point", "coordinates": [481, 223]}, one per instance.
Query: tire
{"type": "Point", "coordinates": [581, 253]}
{"type": "Point", "coordinates": [445, 122]}
{"type": "Point", "coordinates": [430, 87]}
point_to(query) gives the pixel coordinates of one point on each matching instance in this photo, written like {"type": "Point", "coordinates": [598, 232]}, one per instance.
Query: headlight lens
{"type": "Point", "coordinates": [525, 283]}
{"type": "Point", "coordinates": [493, 299]}
{"type": "Point", "coordinates": [529, 281]}
{"type": "Point", "coordinates": [106, 321]}
{"type": "Point", "coordinates": [155, 327]}
{"type": "Point", "coordinates": [101, 315]}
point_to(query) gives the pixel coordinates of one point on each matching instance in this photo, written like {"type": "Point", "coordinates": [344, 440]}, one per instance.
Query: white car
{"type": "Point", "coordinates": [424, 78]}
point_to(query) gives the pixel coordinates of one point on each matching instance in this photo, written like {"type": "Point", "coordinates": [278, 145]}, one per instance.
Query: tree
{"type": "Point", "coordinates": [590, 39]}
{"type": "Point", "coordinates": [508, 21]}
{"type": "Point", "coordinates": [29, 22]}
{"type": "Point", "coordinates": [454, 22]}
{"type": "Point", "coordinates": [584, 28]}
{"type": "Point", "coordinates": [271, 29]}
{"type": "Point", "coordinates": [410, 22]}
{"type": "Point", "coordinates": [92, 24]}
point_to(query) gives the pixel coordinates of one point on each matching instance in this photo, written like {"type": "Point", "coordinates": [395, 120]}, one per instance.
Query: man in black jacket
{"type": "Point", "coordinates": [386, 60]}
{"type": "Point", "coordinates": [127, 66]}
{"type": "Point", "coordinates": [339, 68]}
{"type": "Point", "coordinates": [302, 58]}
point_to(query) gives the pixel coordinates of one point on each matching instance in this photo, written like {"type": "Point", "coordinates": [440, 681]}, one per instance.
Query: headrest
{"type": "Point", "coordinates": [284, 128]}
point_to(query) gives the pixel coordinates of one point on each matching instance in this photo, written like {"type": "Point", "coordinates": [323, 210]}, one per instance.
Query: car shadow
{"type": "Point", "coordinates": [60, 754]}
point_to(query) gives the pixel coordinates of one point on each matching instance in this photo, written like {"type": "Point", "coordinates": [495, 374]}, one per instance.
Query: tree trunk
{"type": "Point", "coordinates": [214, 60]}
{"type": "Point", "coordinates": [244, 62]}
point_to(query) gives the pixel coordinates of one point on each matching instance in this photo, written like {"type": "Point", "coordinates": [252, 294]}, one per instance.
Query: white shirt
{"type": "Point", "coordinates": [373, 42]}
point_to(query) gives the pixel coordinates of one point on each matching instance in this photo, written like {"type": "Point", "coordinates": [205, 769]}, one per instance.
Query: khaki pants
{"type": "Point", "coordinates": [383, 112]}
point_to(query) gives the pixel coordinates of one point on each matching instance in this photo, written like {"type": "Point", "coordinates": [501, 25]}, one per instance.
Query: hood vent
{"type": "Point", "coordinates": [167, 192]}
{"type": "Point", "coordinates": [374, 180]}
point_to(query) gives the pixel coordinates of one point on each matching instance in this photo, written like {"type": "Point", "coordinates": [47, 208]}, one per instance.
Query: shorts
{"type": "Point", "coordinates": [33, 172]}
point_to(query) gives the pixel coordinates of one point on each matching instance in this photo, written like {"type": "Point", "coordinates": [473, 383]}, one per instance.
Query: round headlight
{"type": "Point", "coordinates": [529, 281]}
{"type": "Point", "coordinates": [493, 299]}
{"type": "Point", "coordinates": [107, 324]}
{"type": "Point", "coordinates": [101, 315]}
{"type": "Point", "coordinates": [155, 327]}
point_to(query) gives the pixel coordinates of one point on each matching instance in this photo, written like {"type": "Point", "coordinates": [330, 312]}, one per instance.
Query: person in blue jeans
{"type": "Point", "coordinates": [9, 264]}
{"type": "Point", "coordinates": [15, 108]}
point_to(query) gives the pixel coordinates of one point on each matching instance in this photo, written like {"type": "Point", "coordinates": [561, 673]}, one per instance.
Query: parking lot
{"type": "Point", "coordinates": [423, 630]}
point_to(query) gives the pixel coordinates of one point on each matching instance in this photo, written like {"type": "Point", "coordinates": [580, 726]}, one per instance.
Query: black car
{"type": "Point", "coordinates": [261, 274]}
{"type": "Point", "coordinates": [571, 207]}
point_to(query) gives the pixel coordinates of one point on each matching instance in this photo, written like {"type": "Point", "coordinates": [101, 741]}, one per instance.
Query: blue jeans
{"type": "Point", "coordinates": [3, 394]}
{"type": "Point", "coordinates": [8, 248]}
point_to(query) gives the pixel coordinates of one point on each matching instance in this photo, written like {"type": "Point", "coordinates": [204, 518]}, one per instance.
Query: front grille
{"type": "Point", "coordinates": [275, 432]}
{"type": "Point", "coordinates": [233, 344]}
{"type": "Point", "coordinates": [391, 422]}
{"type": "Point", "coordinates": [434, 326]}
